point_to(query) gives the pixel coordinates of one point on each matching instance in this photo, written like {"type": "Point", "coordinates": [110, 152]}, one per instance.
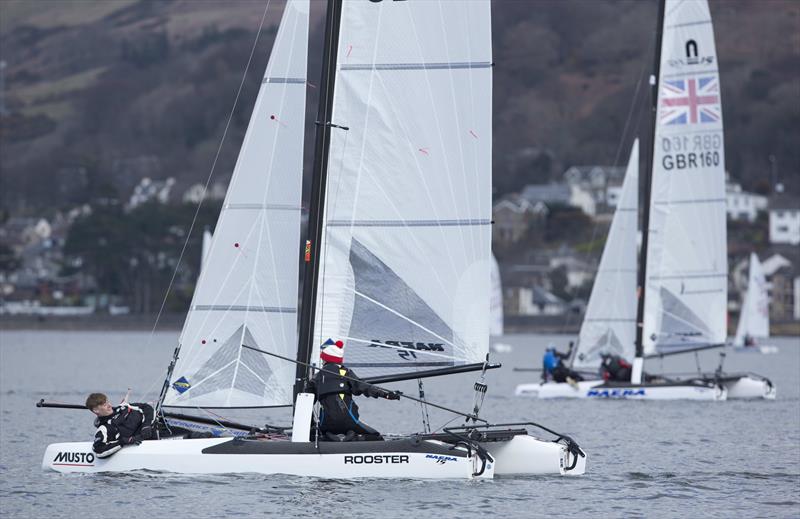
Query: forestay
{"type": "Point", "coordinates": [405, 253]}
{"type": "Point", "coordinates": [609, 324]}
{"type": "Point", "coordinates": [686, 287]}
{"type": "Point", "coordinates": [754, 317]}
{"type": "Point", "coordinates": [248, 287]}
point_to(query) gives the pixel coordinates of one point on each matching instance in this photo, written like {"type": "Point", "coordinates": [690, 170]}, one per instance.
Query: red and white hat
{"type": "Point", "coordinates": [332, 352]}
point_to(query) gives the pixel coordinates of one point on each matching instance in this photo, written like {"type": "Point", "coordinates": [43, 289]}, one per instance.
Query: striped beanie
{"type": "Point", "coordinates": [332, 351]}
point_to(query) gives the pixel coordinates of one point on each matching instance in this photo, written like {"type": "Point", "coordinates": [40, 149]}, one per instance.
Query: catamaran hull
{"type": "Point", "coordinates": [597, 389]}
{"type": "Point", "coordinates": [548, 390]}
{"type": "Point", "coordinates": [766, 349]}
{"type": "Point", "coordinates": [750, 387]}
{"type": "Point", "coordinates": [426, 460]}
{"type": "Point", "coordinates": [526, 455]}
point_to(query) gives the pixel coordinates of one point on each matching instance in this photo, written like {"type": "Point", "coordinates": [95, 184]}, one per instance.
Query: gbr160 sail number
{"type": "Point", "coordinates": [698, 151]}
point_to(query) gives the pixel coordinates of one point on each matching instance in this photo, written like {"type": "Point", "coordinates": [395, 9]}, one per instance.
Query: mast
{"type": "Point", "coordinates": [636, 374]}
{"type": "Point", "coordinates": [318, 185]}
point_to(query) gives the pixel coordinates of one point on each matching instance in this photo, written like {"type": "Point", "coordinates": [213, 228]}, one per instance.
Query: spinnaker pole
{"type": "Point", "coordinates": [318, 186]}
{"type": "Point", "coordinates": [636, 372]}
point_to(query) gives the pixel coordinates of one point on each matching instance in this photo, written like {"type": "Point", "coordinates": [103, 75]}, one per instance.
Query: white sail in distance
{"type": "Point", "coordinates": [687, 268]}
{"type": "Point", "coordinates": [609, 325]}
{"type": "Point", "coordinates": [206, 247]}
{"type": "Point", "coordinates": [754, 317]}
{"type": "Point", "coordinates": [406, 239]}
{"type": "Point", "coordinates": [247, 292]}
{"type": "Point", "coordinates": [496, 301]}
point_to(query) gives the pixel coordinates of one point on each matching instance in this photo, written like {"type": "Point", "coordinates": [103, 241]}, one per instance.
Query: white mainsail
{"type": "Point", "coordinates": [496, 301]}
{"type": "Point", "coordinates": [247, 292]}
{"type": "Point", "coordinates": [609, 324]}
{"type": "Point", "coordinates": [687, 267]}
{"type": "Point", "coordinates": [405, 252]}
{"type": "Point", "coordinates": [754, 317]}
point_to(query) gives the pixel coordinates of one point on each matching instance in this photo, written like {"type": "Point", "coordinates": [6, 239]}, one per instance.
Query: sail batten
{"type": "Point", "coordinates": [248, 287]}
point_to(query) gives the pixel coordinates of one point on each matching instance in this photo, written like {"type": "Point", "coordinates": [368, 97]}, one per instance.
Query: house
{"type": "Point", "coordinates": [783, 294]}
{"type": "Point", "coordinates": [531, 301]}
{"type": "Point", "coordinates": [784, 220]}
{"type": "Point", "coordinates": [574, 195]}
{"type": "Point", "coordinates": [513, 216]}
{"type": "Point", "coordinates": [197, 192]}
{"type": "Point", "coordinates": [151, 191]}
{"type": "Point", "coordinates": [601, 184]}
{"type": "Point", "coordinates": [741, 205]}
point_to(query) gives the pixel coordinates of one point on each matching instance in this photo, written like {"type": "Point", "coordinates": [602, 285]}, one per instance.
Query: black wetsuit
{"type": "Point", "coordinates": [615, 368]}
{"type": "Point", "coordinates": [339, 413]}
{"type": "Point", "coordinates": [128, 424]}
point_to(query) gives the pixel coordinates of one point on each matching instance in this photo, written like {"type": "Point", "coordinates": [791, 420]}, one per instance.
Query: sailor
{"type": "Point", "coordinates": [615, 368]}
{"type": "Point", "coordinates": [125, 424]}
{"type": "Point", "coordinates": [334, 386]}
{"type": "Point", "coordinates": [553, 366]}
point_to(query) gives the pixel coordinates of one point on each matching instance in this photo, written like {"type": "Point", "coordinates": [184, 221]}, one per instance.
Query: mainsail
{"type": "Point", "coordinates": [754, 317]}
{"type": "Point", "coordinates": [405, 251]}
{"type": "Point", "coordinates": [609, 324]}
{"type": "Point", "coordinates": [496, 301]}
{"type": "Point", "coordinates": [247, 292]}
{"type": "Point", "coordinates": [686, 267]}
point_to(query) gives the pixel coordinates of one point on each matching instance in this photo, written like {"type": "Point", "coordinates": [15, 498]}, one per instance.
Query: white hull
{"type": "Point", "coordinates": [428, 459]}
{"type": "Point", "coordinates": [596, 389]}
{"type": "Point", "coordinates": [766, 349]}
{"type": "Point", "coordinates": [750, 387]}
{"type": "Point", "coordinates": [556, 389]}
{"type": "Point", "coordinates": [187, 457]}
{"type": "Point", "coordinates": [525, 455]}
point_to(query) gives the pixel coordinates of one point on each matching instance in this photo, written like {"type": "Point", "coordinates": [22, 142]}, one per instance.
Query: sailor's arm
{"type": "Point", "coordinates": [104, 446]}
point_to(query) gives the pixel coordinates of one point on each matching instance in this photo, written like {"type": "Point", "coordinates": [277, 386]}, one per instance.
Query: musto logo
{"type": "Point", "coordinates": [615, 393]}
{"type": "Point", "coordinates": [377, 459]}
{"type": "Point", "coordinates": [441, 460]}
{"type": "Point", "coordinates": [75, 459]}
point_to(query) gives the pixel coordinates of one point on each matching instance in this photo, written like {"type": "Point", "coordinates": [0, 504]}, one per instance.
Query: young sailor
{"type": "Point", "coordinates": [614, 368]}
{"type": "Point", "coordinates": [553, 366]}
{"type": "Point", "coordinates": [125, 424]}
{"type": "Point", "coordinates": [339, 413]}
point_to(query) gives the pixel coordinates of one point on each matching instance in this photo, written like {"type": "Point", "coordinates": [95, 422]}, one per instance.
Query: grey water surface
{"type": "Point", "coordinates": [648, 459]}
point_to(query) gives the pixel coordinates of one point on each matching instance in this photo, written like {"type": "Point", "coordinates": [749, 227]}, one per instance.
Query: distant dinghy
{"type": "Point", "coordinates": [754, 317]}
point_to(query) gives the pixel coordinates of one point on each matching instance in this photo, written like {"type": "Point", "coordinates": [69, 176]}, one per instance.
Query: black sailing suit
{"type": "Point", "coordinates": [128, 424]}
{"type": "Point", "coordinates": [339, 414]}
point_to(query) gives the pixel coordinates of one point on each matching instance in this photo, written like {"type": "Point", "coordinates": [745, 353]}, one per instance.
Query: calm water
{"type": "Point", "coordinates": [655, 459]}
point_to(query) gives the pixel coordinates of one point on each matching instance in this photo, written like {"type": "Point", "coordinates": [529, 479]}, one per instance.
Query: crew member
{"type": "Point", "coordinates": [553, 366]}
{"type": "Point", "coordinates": [334, 386]}
{"type": "Point", "coordinates": [614, 368]}
{"type": "Point", "coordinates": [125, 424]}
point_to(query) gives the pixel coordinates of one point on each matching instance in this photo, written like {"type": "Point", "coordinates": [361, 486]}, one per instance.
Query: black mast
{"type": "Point", "coordinates": [648, 182]}
{"type": "Point", "coordinates": [318, 183]}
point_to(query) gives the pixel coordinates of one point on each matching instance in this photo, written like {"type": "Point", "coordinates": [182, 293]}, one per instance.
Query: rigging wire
{"type": "Point", "coordinates": [426, 420]}
{"type": "Point", "coordinates": [208, 180]}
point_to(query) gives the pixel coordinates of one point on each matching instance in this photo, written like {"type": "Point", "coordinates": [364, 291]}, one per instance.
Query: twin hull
{"type": "Point", "coordinates": [409, 459]}
{"type": "Point", "coordinates": [597, 389]}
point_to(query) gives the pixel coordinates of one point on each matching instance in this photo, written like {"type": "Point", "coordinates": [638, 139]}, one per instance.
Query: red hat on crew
{"type": "Point", "coordinates": [332, 352]}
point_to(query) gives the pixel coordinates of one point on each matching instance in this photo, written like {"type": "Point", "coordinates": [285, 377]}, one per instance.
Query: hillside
{"type": "Point", "coordinates": [101, 93]}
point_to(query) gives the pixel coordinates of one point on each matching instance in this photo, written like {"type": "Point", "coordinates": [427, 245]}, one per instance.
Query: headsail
{"type": "Point", "coordinates": [754, 317]}
{"type": "Point", "coordinates": [405, 252]}
{"type": "Point", "coordinates": [496, 301]}
{"type": "Point", "coordinates": [609, 323]}
{"type": "Point", "coordinates": [247, 292]}
{"type": "Point", "coordinates": [687, 267]}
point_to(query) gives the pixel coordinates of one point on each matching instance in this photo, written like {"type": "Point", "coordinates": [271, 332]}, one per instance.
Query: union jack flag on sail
{"type": "Point", "coordinates": [690, 101]}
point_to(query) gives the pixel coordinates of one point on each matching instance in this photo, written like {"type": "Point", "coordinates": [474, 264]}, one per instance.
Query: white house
{"type": "Point", "coordinates": [784, 220]}
{"type": "Point", "coordinates": [533, 301]}
{"type": "Point", "coordinates": [151, 190]}
{"type": "Point", "coordinates": [741, 205]}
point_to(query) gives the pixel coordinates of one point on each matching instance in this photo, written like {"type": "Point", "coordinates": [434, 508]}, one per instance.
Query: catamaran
{"type": "Point", "coordinates": [754, 317]}
{"type": "Point", "coordinates": [396, 262]}
{"type": "Point", "coordinates": [683, 269]}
